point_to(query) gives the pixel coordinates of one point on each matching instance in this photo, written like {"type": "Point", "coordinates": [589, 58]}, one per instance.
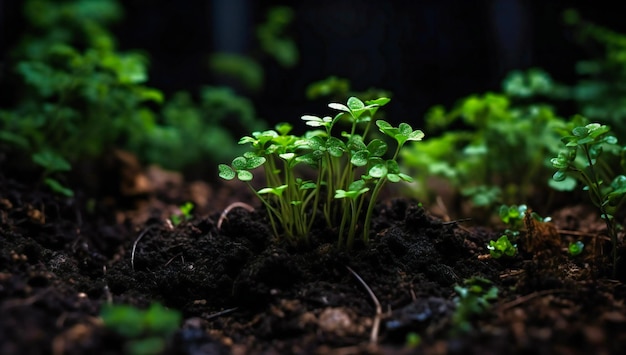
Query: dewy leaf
{"type": "Point", "coordinates": [254, 162]}
{"type": "Point", "coordinates": [355, 104]}
{"type": "Point", "coordinates": [382, 101]}
{"type": "Point", "coordinates": [339, 107]}
{"type": "Point", "coordinates": [313, 121]}
{"type": "Point", "coordinates": [226, 172]}
{"type": "Point", "coordinates": [278, 191]}
{"type": "Point", "coordinates": [416, 135]}
{"type": "Point", "coordinates": [244, 175]}
{"type": "Point", "coordinates": [356, 185]}
{"type": "Point", "coordinates": [240, 163]}
{"type": "Point", "coordinates": [360, 158]}
{"type": "Point", "coordinates": [405, 129]}
{"type": "Point", "coordinates": [378, 171]}
{"type": "Point", "coordinates": [377, 147]}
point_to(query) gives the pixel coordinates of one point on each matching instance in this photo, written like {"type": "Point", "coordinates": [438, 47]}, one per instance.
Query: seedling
{"type": "Point", "coordinates": [473, 299]}
{"type": "Point", "coordinates": [502, 246]}
{"type": "Point", "coordinates": [576, 248]}
{"type": "Point", "coordinates": [185, 213]}
{"type": "Point", "coordinates": [348, 172]}
{"type": "Point", "coordinates": [514, 217]}
{"type": "Point", "coordinates": [591, 140]}
{"type": "Point", "coordinates": [146, 331]}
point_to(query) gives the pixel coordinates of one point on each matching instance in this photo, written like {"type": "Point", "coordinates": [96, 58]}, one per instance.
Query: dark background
{"type": "Point", "coordinates": [425, 52]}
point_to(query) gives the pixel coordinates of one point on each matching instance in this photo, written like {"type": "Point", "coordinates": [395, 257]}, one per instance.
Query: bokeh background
{"type": "Point", "coordinates": [424, 52]}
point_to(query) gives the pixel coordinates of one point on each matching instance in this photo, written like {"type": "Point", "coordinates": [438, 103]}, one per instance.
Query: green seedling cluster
{"type": "Point", "coordinates": [513, 216]}
{"type": "Point", "coordinates": [583, 159]}
{"type": "Point", "coordinates": [146, 331]}
{"type": "Point", "coordinates": [184, 215]}
{"type": "Point", "coordinates": [474, 298]}
{"type": "Point", "coordinates": [491, 148]}
{"type": "Point", "coordinates": [347, 172]}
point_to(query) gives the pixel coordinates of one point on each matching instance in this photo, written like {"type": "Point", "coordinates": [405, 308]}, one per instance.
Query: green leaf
{"type": "Point", "coordinates": [244, 175]}
{"type": "Point", "coordinates": [378, 171]}
{"type": "Point", "coordinates": [284, 128]}
{"type": "Point", "coordinates": [335, 147]}
{"type": "Point", "coordinates": [354, 104]}
{"type": "Point", "coordinates": [393, 178]}
{"type": "Point", "coordinates": [339, 107]}
{"type": "Point", "coordinates": [360, 158]}
{"type": "Point", "coordinates": [240, 163]}
{"type": "Point", "coordinates": [278, 191]}
{"type": "Point", "coordinates": [254, 162]}
{"type": "Point", "coordinates": [313, 121]}
{"type": "Point", "coordinates": [58, 187]}
{"type": "Point", "coordinates": [560, 175]}
{"type": "Point", "coordinates": [226, 172]}
{"type": "Point", "coordinates": [416, 135]}
{"type": "Point", "coordinates": [381, 101]}
{"type": "Point", "coordinates": [405, 177]}
{"type": "Point", "coordinates": [377, 147]}
{"type": "Point", "coordinates": [51, 161]}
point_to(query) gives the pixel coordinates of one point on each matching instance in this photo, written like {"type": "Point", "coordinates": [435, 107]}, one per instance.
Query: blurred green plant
{"type": "Point", "coordinates": [473, 299]}
{"type": "Point", "coordinates": [147, 331]}
{"type": "Point", "coordinates": [78, 94]}
{"type": "Point", "coordinates": [340, 89]}
{"type": "Point", "coordinates": [273, 41]}
{"type": "Point", "coordinates": [584, 160]}
{"type": "Point", "coordinates": [576, 248]}
{"type": "Point", "coordinates": [184, 213]}
{"type": "Point", "coordinates": [493, 148]}
{"type": "Point", "coordinates": [187, 132]}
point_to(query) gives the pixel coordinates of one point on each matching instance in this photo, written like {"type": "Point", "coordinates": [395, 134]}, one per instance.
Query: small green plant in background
{"type": "Point", "coordinates": [348, 172]}
{"type": "Point", "coordinates": [184, 215]}
{"type": "Point", "coordinates": [513, 217]}
{"type": "Point", "coordinates": [78, 94]}
{"type": "Point", "coordinates": [473, 299]}
{"type": "Point", "coordinates": [502, 246]}
{"type": "Point", "coordinates": [492, 148]}
{"type": "Point", "coordinates": [584, 160]}
{"type": "Point", "coordinates": [576, 248]}
{"type": "Point", "coordinates": [413, 340]}
{"type": "Point", "coordinates": [146, 331]}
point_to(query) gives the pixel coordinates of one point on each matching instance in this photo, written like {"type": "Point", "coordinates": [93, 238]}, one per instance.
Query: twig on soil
{"type": "Point", "coordinates": [141, 235]}
{"type": "Point", "coordinates": [456, 221]}
{"type": "Point", "coordinates": [379, 311]}
{"type": "Point", "coordinates": [230, 207]}
{"type": "Point", "coordinates": [107, 291]}
{"type": "Point", "coordinates": [221, 313]}
{"type": "Point", "coordinates": [528, 297]}
{"type": "Point", "coordinates": [174, 257]}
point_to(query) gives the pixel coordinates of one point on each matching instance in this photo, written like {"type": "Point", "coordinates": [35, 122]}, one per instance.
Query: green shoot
{"type": "Point", "coordinates": [473, 299]}
{"type": "Point", "coordinates": [185, 213]}
{"type": "Point", "coordinates": [591, 140]}
{"type": "Point", "coordinates": [146, 331]}
{"type": "Point", "coordinates": [348, 172]}
{"type": "Point", "coordinates": [501, 247]}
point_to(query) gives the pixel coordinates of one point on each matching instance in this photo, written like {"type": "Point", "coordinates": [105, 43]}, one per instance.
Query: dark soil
{"type": "Point", "coordinates": [240, 291]}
